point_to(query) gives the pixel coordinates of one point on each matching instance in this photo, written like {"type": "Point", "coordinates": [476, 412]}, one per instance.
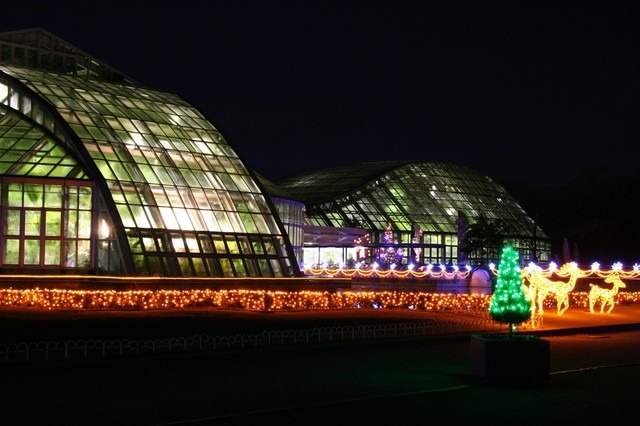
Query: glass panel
{"type": "Point", "coordinates": [11, 251]}
{"type": "Point", "coordinates": [71, 256]}
{"type": "Point", "coordinates": [209, 221]}
{"type": "Point", "coordinates": [84, 253]}
{"type": "Point", "coordinates": [236, 222]}
{"type": "Point", "coordinates": [127, 220]}
{"type": "Point", "coordinates": [85, 198]}
{"type": "Point", "coordinates": [225, 264]}
{"type": "Point", "coordinates": [168, 218]}
{"type": "Point", "coordinates": [269, 247]}
{"type": "Point", "coordinates": [257, 246]}
{"type": "Point", "coordinates": [184, 221]}
{"type": "Point", "coordinates": [249, 225]}
{"type": "Point", "coordinates": [185, 267]}
{"type": "Point", "coordinates": [32, 252]}
{"type": "Point", "coordinates": [32, 222]}
{"type": "Point", "coordinates": [33, 195]}
{"type": "Point", "coordinates": [198, 266]}
{"type": "Point", "coordinates": [172, 267]}
{"type": "Point", "coordinates": [239, 267]}
{"type": "Point", "coordinates": [135, 243]}
{"type": "Point", "coordinates": [72, 223]}
{"type": "Point", "coordinates": [139, 263]}
{"type": "Point", "coordinates": [178, 243]}
{"type": "Point", "coordinates": [149, 244]}
{"type": "Point", "coordinates": [12, 222]}
{"type": "Point", "coordinates": [232, 244]}
{"type": "Point", "coordinates": [243, 240]}
{"type": "Point", "coordinates": [252, 268]}
{"type": "Point", "coordinates": [214, 267]}
{"type": "Point", "coordinates": [261, 222]}
{"type": "Point", "coordinates": [277, 269]}
{"type": "Point", "coordinates": [205, 243]}
{"type": "Point", "coordinates": [15, 195]}
{"type": "Point", "coordinates": [52, 252]}
{"type": "Point", "coordinates": [219, 244]}
{"type": "Point", "coordinates": [223, 221]}
{"type": "Point", "coordinates": [140, 215]}
{"type": "Point", "coordinates": [163, 243]}
{"type": "Point", "coordinates": [84, 224]}
{"type": "Point", "coordinates": [53, 225]}
{"type": "Point", "coordinates": [264, 268]}
{"type": "Point", "coordinates": [192, 243]}
{"type": "Point", "coordinates": [155, 265]}
{"type": "Point", "coordinates": [53, 196]}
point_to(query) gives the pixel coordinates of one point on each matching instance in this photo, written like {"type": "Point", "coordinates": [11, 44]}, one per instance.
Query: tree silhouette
{"type": "Point", "coordinates": [482, 239]}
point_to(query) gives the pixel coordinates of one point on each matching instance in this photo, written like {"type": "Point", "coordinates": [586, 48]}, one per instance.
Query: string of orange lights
{"type": "Point", "coordinates": [260, 300]}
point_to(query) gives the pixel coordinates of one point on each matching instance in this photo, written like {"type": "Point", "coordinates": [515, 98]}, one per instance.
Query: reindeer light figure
{"type": "Point", "coordinates": [541, 286]}
{"type": "Point", "coordinates": [603, 295]}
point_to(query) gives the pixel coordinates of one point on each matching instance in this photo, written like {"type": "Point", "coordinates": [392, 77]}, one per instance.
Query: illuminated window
{"type": "Point", "coordinates": [46, 224]}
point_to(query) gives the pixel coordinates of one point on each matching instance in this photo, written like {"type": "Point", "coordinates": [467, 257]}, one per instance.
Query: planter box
{"type": "Point", "coordinates": [523, 358]}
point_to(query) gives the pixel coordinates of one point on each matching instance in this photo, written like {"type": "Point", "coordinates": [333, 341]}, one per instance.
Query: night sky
{"type": "Point", "coordinates": [528, 91]}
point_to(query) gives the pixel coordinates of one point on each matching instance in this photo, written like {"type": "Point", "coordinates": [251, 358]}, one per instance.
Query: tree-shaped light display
{"type": "Point", "coordinates": [389, 256]}
{"type": "Point", "coordinates": [509, 304]}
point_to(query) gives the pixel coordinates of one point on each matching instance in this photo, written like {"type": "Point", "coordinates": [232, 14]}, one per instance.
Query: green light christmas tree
{"type": "Point", "coordinates": [510, 304]}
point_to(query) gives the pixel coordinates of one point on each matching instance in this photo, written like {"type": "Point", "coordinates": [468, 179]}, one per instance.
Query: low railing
{"type": "Point", "coordinates": [109, 348]}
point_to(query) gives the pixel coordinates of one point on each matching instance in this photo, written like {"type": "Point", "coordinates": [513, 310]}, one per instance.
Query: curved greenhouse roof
{"type": "Point", "coordinates": [100, 175]}
{"type": "Point", "coordinates": [431, 195]}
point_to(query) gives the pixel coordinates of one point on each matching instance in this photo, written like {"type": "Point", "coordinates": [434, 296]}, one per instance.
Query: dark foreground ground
{"type": "Point", "coordinates": [594, 379]}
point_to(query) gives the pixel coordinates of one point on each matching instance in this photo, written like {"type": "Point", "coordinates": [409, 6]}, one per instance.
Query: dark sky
{"type": "Point", "coordinates": [531, 91]}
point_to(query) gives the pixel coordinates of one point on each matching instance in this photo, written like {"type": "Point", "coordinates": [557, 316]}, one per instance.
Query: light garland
{"type": "Point", "coordinates": [260, 300]}
{"type": "Point", "coordinates": [242, 299]}
{"type": "Point", "coordinates": [411, 272]}
{"type": "Point", "coordinates": [567, 269]}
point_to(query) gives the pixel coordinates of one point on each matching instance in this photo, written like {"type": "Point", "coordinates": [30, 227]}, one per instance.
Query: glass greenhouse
{"type": "Point", "coordinates": [101, 175]}
{"type": "Point", "coordinates": [415, 212]}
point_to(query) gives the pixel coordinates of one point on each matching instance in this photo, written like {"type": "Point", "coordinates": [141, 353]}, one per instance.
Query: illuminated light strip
{"type": "Point", "coordinates": [246, 299]}
{"type": "Point", "coordinates": [261, 300]}
{"type": "Point", "coordinates": [388, 273]}
{"type": "Point", "coordinates": [566, 270]}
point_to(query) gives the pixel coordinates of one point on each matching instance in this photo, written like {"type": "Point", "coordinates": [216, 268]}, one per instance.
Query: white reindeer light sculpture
{"type": "Point", "coordinates": [603, 295]}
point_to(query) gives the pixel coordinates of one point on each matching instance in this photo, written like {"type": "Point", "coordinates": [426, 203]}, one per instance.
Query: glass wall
{"type": "Point", "coordinates": [173, 196]}
{"type": "Point", "coordinates": [422, 202]}
{"type": "Point", "coordinates": [291, 214]}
